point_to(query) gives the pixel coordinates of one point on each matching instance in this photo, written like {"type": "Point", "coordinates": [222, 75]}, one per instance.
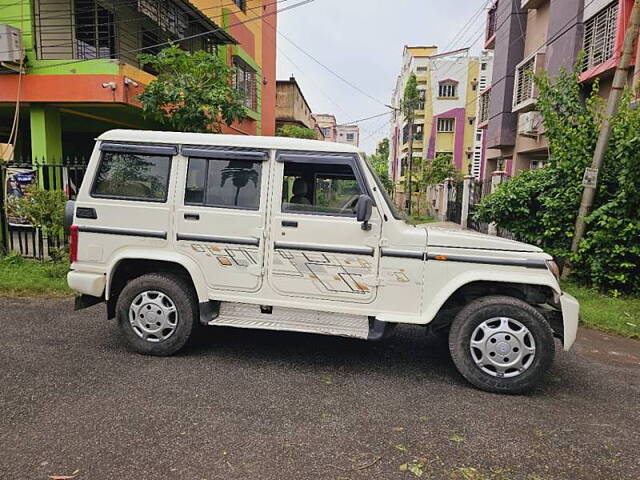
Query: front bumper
{"type": "Point", "coordinates": [86, 283]}
{"type": "Point", "coordinates": [570, 315]}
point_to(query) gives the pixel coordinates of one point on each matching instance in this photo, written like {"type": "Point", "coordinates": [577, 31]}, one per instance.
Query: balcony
{"type": "Point", "coordinates": [525, 91]}
{"type": "Point", "coordinates": [483, 107]}
{"type": "Point", "coordinates": [120, 30]}
{"type": "Point", "coordinates": [492, 25]}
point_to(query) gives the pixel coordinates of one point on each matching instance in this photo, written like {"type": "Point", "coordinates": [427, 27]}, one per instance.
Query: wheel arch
{"type": "Point", "coordinates": [465, 287]}
{"type": "Point", "coordinates": [132, 264]}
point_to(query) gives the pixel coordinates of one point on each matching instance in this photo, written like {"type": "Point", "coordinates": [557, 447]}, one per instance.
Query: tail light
{"type": "Point", "coordinates": [73, 243]}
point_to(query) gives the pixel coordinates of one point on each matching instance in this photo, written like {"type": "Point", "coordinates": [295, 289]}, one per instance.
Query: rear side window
{"type": "Point", "coordinates": [223, 183]}
{"type": "Point", "coordinates": [132, 176]}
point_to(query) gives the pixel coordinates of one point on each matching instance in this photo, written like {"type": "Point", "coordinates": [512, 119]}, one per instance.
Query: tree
{"type": "Point", "coordinates": [441, 168]}
{"type": "Point", "coordinates": [193, 92]}
{"type": "Point", "coordinates": [295, 131]}
{"type": "Point", "coordinates": [380, 163]}
{"type": "Point", "coordinates": [540, 206]}
{"type": "Point", "coordinates": [410, 101]}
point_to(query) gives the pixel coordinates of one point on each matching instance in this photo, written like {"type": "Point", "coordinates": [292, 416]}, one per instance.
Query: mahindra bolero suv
{"type": "Point", "coordinates": [175, 231]}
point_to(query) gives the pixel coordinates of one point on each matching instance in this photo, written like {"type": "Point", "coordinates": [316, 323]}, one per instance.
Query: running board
{"type": "Point", "coordinates": [244, 315]}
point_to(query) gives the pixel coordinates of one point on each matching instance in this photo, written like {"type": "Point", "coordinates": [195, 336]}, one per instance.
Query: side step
{"type": "Point", "coordinates": [243, 315]}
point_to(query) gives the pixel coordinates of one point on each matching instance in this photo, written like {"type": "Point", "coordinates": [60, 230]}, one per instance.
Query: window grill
{"type": "Point", "coordinates": [600, 36]}
{"type": "Point", "coordinates": [446, 125]}
{"type": "Point", "coordinates": [447, 90]}
{"type": "Point", "coordinates": [524, 91]}
{"type": "Point", "coordinates": [244, 80]}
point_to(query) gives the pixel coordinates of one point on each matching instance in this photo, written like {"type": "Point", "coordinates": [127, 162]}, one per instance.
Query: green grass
{"type": "Point", "coordinates": [21, 277]}
{"type": "Point", "coordinates": [419, 219]}
{"type": "Point", "coordinates": [619, 316]}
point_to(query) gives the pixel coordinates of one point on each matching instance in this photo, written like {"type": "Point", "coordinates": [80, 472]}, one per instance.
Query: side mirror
{"type": "Point", "coordinates": [364, 207]}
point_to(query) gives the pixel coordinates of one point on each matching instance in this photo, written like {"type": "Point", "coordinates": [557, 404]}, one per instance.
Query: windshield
{"type": "Point", "coordinates": [394, 211]}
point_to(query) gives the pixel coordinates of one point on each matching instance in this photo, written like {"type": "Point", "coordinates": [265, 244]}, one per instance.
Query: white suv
{"type": "Point", "coordinates": [178, 230]}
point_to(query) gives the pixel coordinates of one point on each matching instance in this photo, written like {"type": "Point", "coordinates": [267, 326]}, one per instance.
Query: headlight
{"type": "Point", "coordinates": [553, 268]}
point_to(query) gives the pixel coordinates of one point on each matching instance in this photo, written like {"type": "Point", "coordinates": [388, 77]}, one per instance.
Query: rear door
{"type": "Point", "coordinates": [126, 205]}
{"type": "Point", "coordinates": [318, 248]}
{"type": "Point", "coordinates": [220, 214]}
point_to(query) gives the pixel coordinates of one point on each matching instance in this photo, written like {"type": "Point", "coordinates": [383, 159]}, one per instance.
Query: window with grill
{"type": "Point", "coordinates": [600, 36]}
{"type": "Point", "coordinates": [446, 125]}
{"type": "Point", "coordinates": [485, 101]}
{"type": "Point", "coordinates": [421, 99]}
{"type": "Point", "coordinates": [524, 91]}
{"type": "Point", "coordinates": [166, 14]}
{"type": "Point", "coordinates": [244, 80]}
{"type": "Point", "coordinates": [95, 30]}
{"type": "Point", "coordinates": [447, 90]}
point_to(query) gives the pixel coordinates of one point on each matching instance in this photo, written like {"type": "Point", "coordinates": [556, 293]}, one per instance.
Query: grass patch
{"type": "Point", "coordinates": [620, 316]}
{"type": "Point", "coordinates": [419, 219]}
{"type": "Point", "coordinates": [21, 277]}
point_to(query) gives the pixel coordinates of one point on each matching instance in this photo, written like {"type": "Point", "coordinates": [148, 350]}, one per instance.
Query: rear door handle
{"type": "Point", "coordinates": [290, 223]}
{"type": "Point", "coordinates": [192, 216]}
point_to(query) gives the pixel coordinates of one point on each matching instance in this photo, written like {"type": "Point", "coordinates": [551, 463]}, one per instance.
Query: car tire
{"type": "Point", "coordinates": [501, 344]}
{"type": "Point", "coordinates": [157, 314]}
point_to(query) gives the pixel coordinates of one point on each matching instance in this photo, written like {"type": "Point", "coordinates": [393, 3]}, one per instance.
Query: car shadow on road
{"type": "Point", "coordinates": [407, 354]}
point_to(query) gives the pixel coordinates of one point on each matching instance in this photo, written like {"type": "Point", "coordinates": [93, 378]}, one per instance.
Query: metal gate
{"type": "Point", "coordinates": [17, 235]}
{"type": "Point", "coordinates": [454, 202]}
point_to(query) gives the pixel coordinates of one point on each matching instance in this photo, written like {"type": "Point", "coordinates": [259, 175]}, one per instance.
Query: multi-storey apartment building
{"type": "Point", "coordinates": [448, 85]}
{"type": "Point", "coordinates": [81, 71]}
{"type": "Point", "coordinates": [292, 107]}
{"type": "Point", "coordinates": [535, 36]}
{"type": "Point", "coordinates": [334, 132]}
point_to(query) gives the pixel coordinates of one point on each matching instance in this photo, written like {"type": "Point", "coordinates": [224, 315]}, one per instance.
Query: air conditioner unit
{"type": "Point", "coordinates": [530, 124]}
{"type": "Point", "coordinates": [11, 50]}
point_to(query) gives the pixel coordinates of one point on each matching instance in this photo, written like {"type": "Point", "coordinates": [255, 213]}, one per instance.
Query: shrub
{"type": "Point", "coordinates": [540, 206]}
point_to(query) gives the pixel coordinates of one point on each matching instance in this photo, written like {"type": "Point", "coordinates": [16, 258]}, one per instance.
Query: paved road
{"type": "Point", "coordinates": [267, 405]}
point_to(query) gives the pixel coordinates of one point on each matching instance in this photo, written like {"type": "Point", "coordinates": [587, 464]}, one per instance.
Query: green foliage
{"type": "Point", "coordinates": [43, 209]}
{"type": "Point", "coordinates": [380, 163]}
{"type": "Point", "coordinates": [540, 206]}
{"type": "Point", "coordinates": [411, 97]}
{"type": "Point", "coordinates": [193, 92]}
{"type": "Point", "coordinates": [441, 168]}
{"type": "Point", "coordinates": [295, 131]}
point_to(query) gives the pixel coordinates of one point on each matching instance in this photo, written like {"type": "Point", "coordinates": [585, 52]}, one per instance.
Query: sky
{"type": "Point", "coordinates": [362, 41]}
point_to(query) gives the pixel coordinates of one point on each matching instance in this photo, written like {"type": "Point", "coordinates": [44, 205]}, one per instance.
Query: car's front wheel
{"type": "Point", "coordinates": [501, 344]}
{"type": "Point", "coordinates": [157, 314]}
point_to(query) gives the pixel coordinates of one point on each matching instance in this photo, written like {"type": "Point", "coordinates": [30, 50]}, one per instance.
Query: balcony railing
{"type": "Point", "coordinates": [483, 108]}
{"type": "Point", "coordinates": [492, 25]}
{"type": "Point", "coordinates": [119, 29]}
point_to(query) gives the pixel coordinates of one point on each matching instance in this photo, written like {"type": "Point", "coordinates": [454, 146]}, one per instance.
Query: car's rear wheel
{"type": "Point", "coordinates": [501, 344]}
{"type": "Point", "coordinates": [157, 314]}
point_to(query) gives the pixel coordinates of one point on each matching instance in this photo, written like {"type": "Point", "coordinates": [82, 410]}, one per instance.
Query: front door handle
{"type": "Point", "coordinates": [290, 223]}
{"type": "Point", "coordinates": [192, 216]}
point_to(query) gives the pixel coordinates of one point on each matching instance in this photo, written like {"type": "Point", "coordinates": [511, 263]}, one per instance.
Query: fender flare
{"type": "Point", "coordinates": [197, 277]}
{"type": "Point", "coordinates": [439, 297]}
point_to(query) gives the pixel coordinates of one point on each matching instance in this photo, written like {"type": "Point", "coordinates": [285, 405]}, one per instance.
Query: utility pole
{"type": "Point", "coordinates": [619, 82]}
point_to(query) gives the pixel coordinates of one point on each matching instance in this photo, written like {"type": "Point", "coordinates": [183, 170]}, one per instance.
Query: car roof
{"type": "Point", "coordinates": [247, 141]}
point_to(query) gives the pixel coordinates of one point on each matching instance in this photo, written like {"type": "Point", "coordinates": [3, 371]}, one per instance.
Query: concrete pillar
{"type": "Point", "coordinates": [496, 180]}
{"type": "Point", "coordinates": [466, 195]}
{"type": "Point", "coordinates": [446, 188]}
{"type": "Point", "coordinates": [46, 133]}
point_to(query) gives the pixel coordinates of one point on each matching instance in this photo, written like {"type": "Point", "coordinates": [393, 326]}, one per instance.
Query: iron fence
{"type": "Point", "coordinates": [17, 233]}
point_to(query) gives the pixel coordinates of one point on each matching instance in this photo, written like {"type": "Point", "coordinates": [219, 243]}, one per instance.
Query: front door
{"type": "Point", "coordinates": [318, 248]}
{"type": "Point", "coordinates": [220, 215]}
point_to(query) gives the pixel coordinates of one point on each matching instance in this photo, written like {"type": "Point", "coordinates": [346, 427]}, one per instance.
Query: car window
{"type": "Point", "coordinates": [223, 183]}
{"type": "Point", "coordinates": [321, 188]}
{"type": "Point", "coordinates": [132, 176]}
